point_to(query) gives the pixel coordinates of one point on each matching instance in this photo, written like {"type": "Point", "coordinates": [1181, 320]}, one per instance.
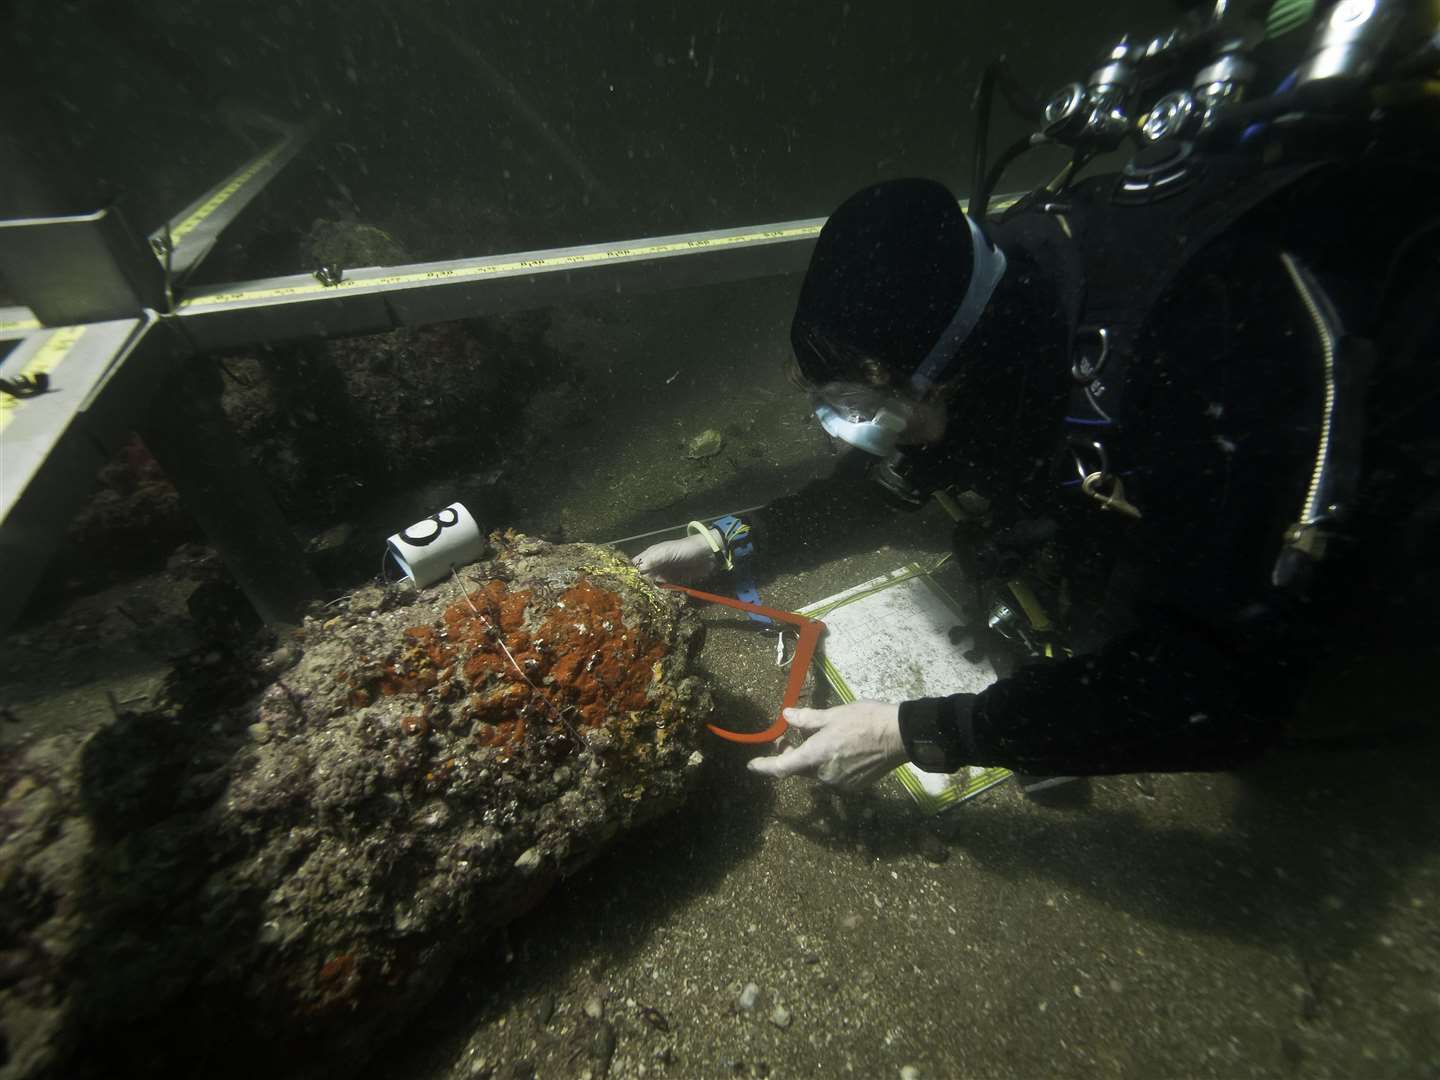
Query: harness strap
{"type": "Point", "coordinates": [1132, 255]}
{"type": "Point", "coordinates": [738, 548]}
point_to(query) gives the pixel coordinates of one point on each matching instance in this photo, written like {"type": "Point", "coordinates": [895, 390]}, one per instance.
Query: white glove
{"type": "Point", "coordinates": [852, 746]}
{"type": "Point", "coordinates": [680, 562]}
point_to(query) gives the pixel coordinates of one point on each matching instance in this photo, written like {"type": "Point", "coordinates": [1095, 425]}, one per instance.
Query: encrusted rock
{"type": "Point", "coordinates": [278, 882]}
{"type": "Point", "coordinates": [350, 244]}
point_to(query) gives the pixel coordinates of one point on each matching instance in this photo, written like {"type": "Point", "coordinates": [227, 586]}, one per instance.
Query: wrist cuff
{"type": "Point", "coordinates": [715, 539]}
{"type": "Point", "coordinates": [937, 732]}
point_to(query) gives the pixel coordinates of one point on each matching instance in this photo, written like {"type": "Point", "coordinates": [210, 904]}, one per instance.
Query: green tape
{"type": "Point", "coordinates": [913, 570]}
{"type": "Point", "coordinates": [1288, 15]}
{"type": "Point", "coordinates": [837, 682]}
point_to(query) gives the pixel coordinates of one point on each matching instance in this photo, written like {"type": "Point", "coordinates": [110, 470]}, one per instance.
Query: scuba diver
{"type": "Point", "coordinates": [1192, 406]}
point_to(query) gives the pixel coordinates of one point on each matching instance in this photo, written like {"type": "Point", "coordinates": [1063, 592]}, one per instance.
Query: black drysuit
{"type": "Point", "coordinates": [1224, 408]}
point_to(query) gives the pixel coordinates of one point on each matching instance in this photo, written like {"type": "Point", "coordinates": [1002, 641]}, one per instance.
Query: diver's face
{"type": "Point", "coordinates": [876, 419]}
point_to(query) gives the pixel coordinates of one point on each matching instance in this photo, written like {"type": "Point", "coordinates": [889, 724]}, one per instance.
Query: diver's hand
{"type": "Point", "coordinates": [679, 562]}
{"type": "Point", "coordinates": [850, 746]}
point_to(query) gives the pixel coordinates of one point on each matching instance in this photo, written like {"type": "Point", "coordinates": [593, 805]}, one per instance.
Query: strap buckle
{"type": "Point", "coordinates": [1113, 499]}
{"type": "Point", "coordinates": [1102, 485]}
{"type": "Point", "coordinates": [1102, 467]}
{"type": "Point", "coordinates": [1086, 370]}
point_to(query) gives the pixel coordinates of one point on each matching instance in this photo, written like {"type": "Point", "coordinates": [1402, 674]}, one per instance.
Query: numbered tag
{"type": "Point", "coordinates": [424, 533]}
{"type": "Point", "coordinates": [429, 549]}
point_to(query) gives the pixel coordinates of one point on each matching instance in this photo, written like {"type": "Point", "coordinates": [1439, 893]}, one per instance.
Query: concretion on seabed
{"type": "Point", "coordinates": [290, 871]}
{"type": "Point", "coordinates": [489, 665]}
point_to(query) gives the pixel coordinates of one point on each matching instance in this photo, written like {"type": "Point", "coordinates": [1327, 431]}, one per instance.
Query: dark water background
{"type": "Point", "coordinates": [678, 116]}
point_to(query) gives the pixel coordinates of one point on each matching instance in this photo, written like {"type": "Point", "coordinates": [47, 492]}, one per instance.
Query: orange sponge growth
{"type": "Point", "coordinates": [495, 663]}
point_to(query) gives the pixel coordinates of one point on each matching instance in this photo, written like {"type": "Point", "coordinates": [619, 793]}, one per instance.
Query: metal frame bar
{"type": "Point", "coordinates": [381, 298]}
{"type": "Point", "coordinates": [193, 233]}
{"type": "Point", "coordinates": [77, 360]}
{"type": "Point", "coordinates": [17, 322]}
{"type": "Point", "coordinates": [80, 268]}
{"type": "Point", "coordinates": [51, 446]}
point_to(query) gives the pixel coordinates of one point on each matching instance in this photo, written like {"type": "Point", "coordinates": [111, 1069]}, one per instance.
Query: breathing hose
{"type": "Point", "coordinates": [982, 183]}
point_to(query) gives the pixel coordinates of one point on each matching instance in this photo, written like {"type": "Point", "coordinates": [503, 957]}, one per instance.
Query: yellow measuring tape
{"type": "Point", "coordinates": [239, 180]}
{"type": "Point", "coordinates": [191, 222]}
{"type": "Point", "coordinates": [552, 262]}
{"type": "Point", "coordinates": [46, 359]}
{"type": "Point", "coordinates": [463, 273]}
{"type": "Point", "coordinates": [8, 325]}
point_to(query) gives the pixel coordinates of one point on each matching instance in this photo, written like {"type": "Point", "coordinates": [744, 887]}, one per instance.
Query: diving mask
{"type": "Point", "coordinates": [869, 420]}
{"type": "Point", "coordinates": [874, 419]}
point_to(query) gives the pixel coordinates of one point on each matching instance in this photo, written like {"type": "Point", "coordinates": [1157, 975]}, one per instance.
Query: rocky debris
{"type": "Point", "coordinates": [931, 848]}
{"type": "Point", "coordinates": [130, 522]}
{"type": "Point", "coordinates": [349, 245]}
{"type": "Point", "coordinates": [279, 882]}
{"type": "Point", "coordinates": [342, 425]}
{"type": "Point", "coordinates": [601, 1048]}
{"type": "Point", "coordinates": [780, 1016]}
{"type": "Point", "coordinates": [707, 444]}
{"type": "Point", "coordinates": [749, 997]}
{"type": "Point", "coordinates": [347, 428]}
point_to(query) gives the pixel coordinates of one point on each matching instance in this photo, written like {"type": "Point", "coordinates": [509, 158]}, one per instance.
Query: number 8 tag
{"type": "Point", "coordinates": [429, 549]}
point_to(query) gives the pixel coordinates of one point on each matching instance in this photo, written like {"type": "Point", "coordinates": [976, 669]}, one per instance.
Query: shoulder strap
{"type": "Point", "coordinates": [1132, 255]}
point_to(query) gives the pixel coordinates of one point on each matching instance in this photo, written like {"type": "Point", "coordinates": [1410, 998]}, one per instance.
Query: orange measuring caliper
{"type": "Point", "coordinates": [810, 631]}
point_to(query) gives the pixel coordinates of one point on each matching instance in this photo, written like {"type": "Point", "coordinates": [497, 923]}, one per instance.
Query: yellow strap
{"type": "Point", "coordinates": [715, 545]}
{"type": "Point", "coordinates": [1408, 92]}
{"type": "Point", "coordinates": [948, 504]}
{"type": "Point", "coordinates": [1030, 604]}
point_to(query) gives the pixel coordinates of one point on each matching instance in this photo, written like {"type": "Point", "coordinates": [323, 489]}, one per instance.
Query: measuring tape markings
{"type": "Point", "coordinates": [196, 219]}
{"type": "Point", "coordinates": [544, 263]}
{"type": "Point", "coordinates": [316, 289]}
{"type": "Point", "coordinates": [210, 205]}
{"type": "Point", "coordinates": [282, 292]}
{"type": "Point", "coordinates": [47, 358]}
